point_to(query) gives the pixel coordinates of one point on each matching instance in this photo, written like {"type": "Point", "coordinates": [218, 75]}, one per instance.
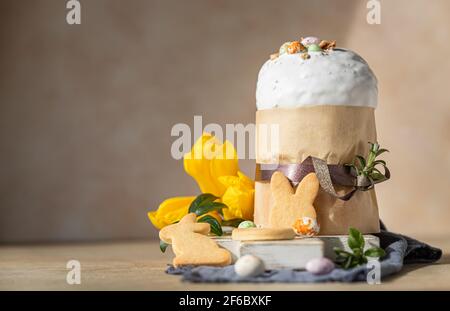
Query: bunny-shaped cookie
{"type": "Point", "coordinates": [294, 209]}
{"type": "Point", "coordinates": [191, 245]}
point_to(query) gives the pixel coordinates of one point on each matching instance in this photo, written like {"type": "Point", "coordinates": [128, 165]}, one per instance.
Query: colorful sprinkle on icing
{"type": "Point", "coordinates": [314, 48]}
{"type": "Point", "coordinates": [305, 45]}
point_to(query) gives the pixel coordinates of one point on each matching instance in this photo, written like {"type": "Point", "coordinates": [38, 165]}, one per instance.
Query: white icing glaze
{"type": "Point", "coordinates": [338, 77]}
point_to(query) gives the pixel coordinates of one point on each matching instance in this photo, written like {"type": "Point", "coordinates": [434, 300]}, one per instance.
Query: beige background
{"type": "Point", "coordinates": [86, 111]}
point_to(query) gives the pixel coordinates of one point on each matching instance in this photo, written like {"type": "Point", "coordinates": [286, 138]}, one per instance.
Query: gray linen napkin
{"type": "Point", "coordinates": [399, 249]}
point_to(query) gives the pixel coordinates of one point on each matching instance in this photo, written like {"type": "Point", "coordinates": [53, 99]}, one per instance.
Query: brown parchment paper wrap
{"type": "Point", "coordinates": [335, 134]}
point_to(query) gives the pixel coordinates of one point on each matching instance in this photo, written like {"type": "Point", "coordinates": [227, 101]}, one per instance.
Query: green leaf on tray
{"type": "Point", "coordinates": [216, 228]}
{"type": "Point", "coordinates": [348, 263]}
{"type": "Point", "coordinates": [341, 252]}
{"type": "Point", "coordinates": [357, 252]}
{"type": "Point", "coordinates": [375, 252]}
{"type": "Point", "coordinates": [356, 257]}
{"type": "Point", "coordinates": [355, 239]}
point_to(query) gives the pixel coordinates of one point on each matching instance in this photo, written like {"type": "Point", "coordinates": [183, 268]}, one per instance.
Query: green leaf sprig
{"type": "Point", "coordinates": [357, 256]}
{"type": "Point", "coordinates": [369, 167]}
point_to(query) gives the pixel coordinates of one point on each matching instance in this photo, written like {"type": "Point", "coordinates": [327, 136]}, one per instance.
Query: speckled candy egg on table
{"type": "Point", "coordinates": [321, 265]}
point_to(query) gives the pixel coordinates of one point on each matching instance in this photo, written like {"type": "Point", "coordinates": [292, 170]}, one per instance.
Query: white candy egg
{"type": "Point", "coordinates": [248, 266]}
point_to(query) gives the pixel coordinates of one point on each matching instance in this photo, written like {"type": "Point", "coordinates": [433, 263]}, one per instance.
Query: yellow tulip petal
{"type": "Point", "coordinates": [170, 211]}
{"type": "Point", "coordinates": [229, 181]}
{"type": "Point", "coordinates": [158, 223]}
{"type": "Point", "coordinates": [239, 202]}
{"type": "Point", "coordinates": [174, 203]}
{"type": "Point", "coordinates": [177, 210]}
{"type": "Point", "coordinates": [224, 163]}
{"type": "Point", "coordinates": [208, 160]}
{"type": "Point", "coordinates": [197, 164]}
{"type": "Point", "coordinates": [248, 203]}
{"type": "Point", "coordinates": [241, 181]}
{"type": "Point", "coordinates": [246, 181]}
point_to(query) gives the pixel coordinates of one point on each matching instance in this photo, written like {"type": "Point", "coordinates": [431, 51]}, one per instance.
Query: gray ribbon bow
{"type": "Point", "coordinates": [328, 175]}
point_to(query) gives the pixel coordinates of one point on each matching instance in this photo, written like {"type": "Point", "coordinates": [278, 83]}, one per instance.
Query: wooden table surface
{"type": "Point", "coordinates": [139, 265]}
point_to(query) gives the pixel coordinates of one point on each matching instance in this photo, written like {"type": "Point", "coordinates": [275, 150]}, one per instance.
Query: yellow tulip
{"type": "Point", "coordinates": [214, 166]}
{"type": "Point", "coordinates": [170, 211]}
{"type": "Point", "coordinates": [240, 180]}
{"type": "Point", "coordinates": [198, 166]}
{"type": "Point", "coordinates": [224, 164]}
{"type": "Point", "coordinates": [208, 160]}
{"type": "Point", "coordinates": [239, 197]}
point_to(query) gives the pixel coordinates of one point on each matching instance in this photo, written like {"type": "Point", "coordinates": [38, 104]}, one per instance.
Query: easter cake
{"type": "Point", "coordinates": [313, 196]}
{"type": "Point", "coordinates": [322, 101]}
